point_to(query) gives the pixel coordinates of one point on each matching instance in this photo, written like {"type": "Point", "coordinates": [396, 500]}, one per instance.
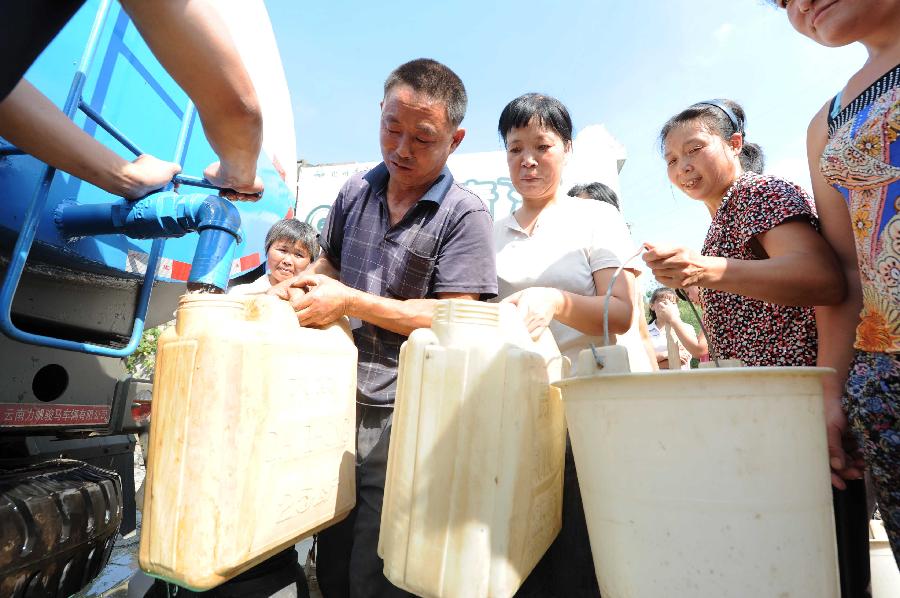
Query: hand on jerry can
{"type": "Point", "coordinates": [318, 300]}
{"type": "Point", "coordinates": [538, 307]}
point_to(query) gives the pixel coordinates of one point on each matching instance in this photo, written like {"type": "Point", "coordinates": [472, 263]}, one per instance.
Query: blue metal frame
{"type": "Point", "coordinates": [25, 240]}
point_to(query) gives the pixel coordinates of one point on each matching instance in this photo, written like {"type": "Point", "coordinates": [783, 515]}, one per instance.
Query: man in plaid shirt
{"type": "Point", "coordinates": [398, 238]}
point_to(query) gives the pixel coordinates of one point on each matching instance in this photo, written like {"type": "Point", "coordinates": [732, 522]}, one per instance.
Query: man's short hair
{"type": "Point", "coordinates": [293, 230]}
{"type": "Point", "coordinates": [435, 80]}
{"type": "Point", "coordinates": [597, 191]}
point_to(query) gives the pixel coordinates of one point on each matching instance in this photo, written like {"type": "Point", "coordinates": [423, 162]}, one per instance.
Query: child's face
{"type": "Point", "coordinates": [285, 260]}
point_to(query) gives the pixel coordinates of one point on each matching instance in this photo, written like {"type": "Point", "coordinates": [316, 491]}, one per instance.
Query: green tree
{"type": "Point", "coordinates": [140, 363]}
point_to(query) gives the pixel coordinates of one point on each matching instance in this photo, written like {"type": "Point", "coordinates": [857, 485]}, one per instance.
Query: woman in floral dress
{"type": "Point", "coordinates": [763, 266]}
{"type": "Point", "coordinates": [854, 157]}
{"type": "Point", "coordinates": [764, 263]}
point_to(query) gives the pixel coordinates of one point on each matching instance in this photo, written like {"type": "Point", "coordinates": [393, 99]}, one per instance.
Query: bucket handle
{"type": "Point", "coordinates": [678, 292]}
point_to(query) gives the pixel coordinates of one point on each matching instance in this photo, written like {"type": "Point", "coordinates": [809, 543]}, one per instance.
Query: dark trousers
{"type": "Point", "coordinates": [347, 563]}
{"type": "Point", "coordinates": [851, 521]}
{"type": "Point", "coordinates": [567, 568]}
{"type": "Point", "coordinates": [279, 576]}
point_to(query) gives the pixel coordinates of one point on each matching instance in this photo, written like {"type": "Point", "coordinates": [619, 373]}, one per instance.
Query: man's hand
{"type": "Point", "coordinates": [676, 267]}
{"type": "Point", "coordinates": [285, 290]}
{"type": "Point", "coordinates": [235, 186]}
{"type": "Point", "coordinates": [538, 307]}
{"type": "Point", "coordinates": [146, 174]}
{"type": "Point", "coordinates": [325, 301]}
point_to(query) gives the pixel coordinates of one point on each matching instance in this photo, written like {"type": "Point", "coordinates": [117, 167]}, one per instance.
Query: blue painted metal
{"type": "Point", "coordinates": [129, 88]}
{"type": "Point", "coordinates": [167, 214]}
{"type": "Point", "coordinates": [109, 128]}
{"type": "Point", "coordinates": [8, 149]}
{"type": "Point", "coordinates": [183, 179]}
{"type": "Point", "coordinates": [29, 228]}
{"type": "Point", "coordinates": [146, 107]}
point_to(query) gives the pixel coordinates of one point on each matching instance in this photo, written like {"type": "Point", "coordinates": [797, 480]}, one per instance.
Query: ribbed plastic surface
{"type": "Point", "coordinates": [474, 483]}
{"type": "Point", "coordinates": [252, 441]}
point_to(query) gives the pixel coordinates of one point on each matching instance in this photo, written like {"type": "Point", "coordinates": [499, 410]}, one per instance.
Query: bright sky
{"type": "Point", "coordinates": [628, 65]}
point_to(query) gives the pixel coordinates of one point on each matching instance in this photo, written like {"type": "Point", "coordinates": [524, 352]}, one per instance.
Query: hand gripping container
{"type": "Point", "coordinates": [473, 494]}
{"type": "Point", "coordinates": [706, 483]}
{"type": "Point", "coordinates": [252, 439]}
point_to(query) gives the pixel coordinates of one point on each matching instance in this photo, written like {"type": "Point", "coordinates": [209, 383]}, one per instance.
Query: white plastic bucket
{"type": "Point", "coordinates": [705, 484]}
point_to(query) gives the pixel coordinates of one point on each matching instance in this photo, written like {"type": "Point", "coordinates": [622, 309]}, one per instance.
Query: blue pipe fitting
{"type": "Point", "coordinates": [165, 215]}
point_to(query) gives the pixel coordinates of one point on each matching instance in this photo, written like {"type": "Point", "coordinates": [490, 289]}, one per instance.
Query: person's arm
{"type": "Point", "coordinates": [836, 324]}
{"type": "Point", "coordinates": [30, 121]}
{"type": "Point", "coordinates": [319, 299]}
{"type": "Point", "coordinates": [800, 268]}
{"type": "Point", "coordinates": [693, 343]}
{"type": "Point", "coordinates": [456, 269]}
{"type": "Point", "coordinates": [541, 305]}
{"type": "Point", "coordinates": [192, 43]}
{"type": "Point", "coordinates": [644, 331]}
{"type": "Point", "coordinates": [326, 299]}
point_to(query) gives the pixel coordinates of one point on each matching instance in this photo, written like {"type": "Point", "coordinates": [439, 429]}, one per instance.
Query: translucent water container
{"type": "Point", "coordinates": [252, 439]}
{"type": "Point", "coordinates": [473, 495]}
{"type": "Point", "coordinates": [708, 483]}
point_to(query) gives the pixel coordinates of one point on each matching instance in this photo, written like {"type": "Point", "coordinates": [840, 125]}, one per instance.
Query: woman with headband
{"type": "Point", "coordinates": [763, 266]}
{"type": "Point", "coordinates": [764, 263]}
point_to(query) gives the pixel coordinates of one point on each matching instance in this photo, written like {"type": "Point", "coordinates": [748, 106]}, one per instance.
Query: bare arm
{"type": "Point", "coordinates": [190, 40]}
{"type": "Point", "coordinates": [667, 313]}
{"type": "Point", "coordinates": [400, 316]}
{"type": "Point", "coordinates": [540, 305]}
{"type": "Point", "coordinates": [327, 300]}
{"type": "Point", "coordinates": [836, 324]}
{"type": "Point", "coordinates": [29, 120]}
{"type": "Point", "coordinates": [799, 268]}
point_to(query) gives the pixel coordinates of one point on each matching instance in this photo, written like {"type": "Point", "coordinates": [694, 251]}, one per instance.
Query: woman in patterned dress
{"type": "Point", "coordinates": [854, 159]}
{"type": "Point", "coordinates": [763, 266]}
{"type": "Point", "coordinates": [763, 263]}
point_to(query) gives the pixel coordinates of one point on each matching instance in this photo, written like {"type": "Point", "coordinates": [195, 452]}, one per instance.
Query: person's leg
{"type": "Point", "coordinates": [367, 578]}
{"type": "Point", "coordinates": [567, 568]}
{"type": "Point", "coordinates": [851, 522]}
{"type": "Point", "coordinates": [335, 544]}
{"type": "Point", "coordinates": [333, 549]}
{"type": "Point", "coordinates": [873, 410]}
{"type": "Point", "coordinates": [571, 561]}
{"type": "Point", "coordinates": [279, 576]}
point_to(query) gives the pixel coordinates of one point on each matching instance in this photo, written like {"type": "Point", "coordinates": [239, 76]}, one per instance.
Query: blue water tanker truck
{"type": "Point", "coordinates": [83, 273]}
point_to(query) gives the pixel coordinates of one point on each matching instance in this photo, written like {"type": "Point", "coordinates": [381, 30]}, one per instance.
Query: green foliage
{"type": "Point", "coordinates": [688, 316]}
{"type": "Point", "coordinates": [140, 363]}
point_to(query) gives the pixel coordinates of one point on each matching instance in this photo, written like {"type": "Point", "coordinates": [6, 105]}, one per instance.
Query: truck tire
{"type": "Point", "coordinates": [58, 523]}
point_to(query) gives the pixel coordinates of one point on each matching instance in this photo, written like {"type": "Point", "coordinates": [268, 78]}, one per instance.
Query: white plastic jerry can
{"type": "Point", "coordinates": [473, 495]}
{"type": "Point", "coordinates": [252, 442]}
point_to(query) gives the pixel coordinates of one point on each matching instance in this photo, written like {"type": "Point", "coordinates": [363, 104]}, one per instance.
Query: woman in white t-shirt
{"type": "Point", "coordinates": [556, 256]}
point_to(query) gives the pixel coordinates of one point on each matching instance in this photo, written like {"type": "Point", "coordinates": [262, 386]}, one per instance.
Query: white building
{"type": "Point", "coordinates": [596, 156]}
